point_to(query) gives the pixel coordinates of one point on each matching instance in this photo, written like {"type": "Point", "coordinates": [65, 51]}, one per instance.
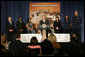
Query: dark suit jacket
{"type": "Point", "coordinates": [8, 26]}
{"type": "Point", "coordinates": [67, 24]}
{"type": "Point", "coordinates": [57, 24]}
{"type": "Point", "coordinates": [76, 22]}
{"type": "Point", "coordinates": [46, 22]}
{"type": "Point", "coordinates": [20, 25]}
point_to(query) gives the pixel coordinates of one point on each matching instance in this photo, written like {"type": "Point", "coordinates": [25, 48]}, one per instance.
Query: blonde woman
{"type": "Point", "coordinates": [4, 41]}
{"type": "Point", "coordinates": [53, 39]}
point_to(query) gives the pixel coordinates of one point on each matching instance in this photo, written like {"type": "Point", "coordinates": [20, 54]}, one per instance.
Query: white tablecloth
{"type": "Point", "coordinates": [25, 38]}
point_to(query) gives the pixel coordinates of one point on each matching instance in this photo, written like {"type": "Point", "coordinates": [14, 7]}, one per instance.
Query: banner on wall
{"type": "Point", "coordinates": [49, 9]}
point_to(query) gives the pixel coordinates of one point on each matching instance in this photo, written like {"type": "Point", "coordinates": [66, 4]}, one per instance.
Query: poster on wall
{"type": "Point", "coordinates": [50, 9]}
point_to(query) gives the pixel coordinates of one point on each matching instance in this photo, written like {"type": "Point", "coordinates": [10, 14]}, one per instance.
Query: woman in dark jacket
{"type": "Point", "coordinates": [57, 25]}
{"type": "Point", "coordinates": [67, 24]}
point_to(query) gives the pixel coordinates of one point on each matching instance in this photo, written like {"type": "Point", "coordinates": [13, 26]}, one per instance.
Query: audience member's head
{"type": "Point", "coordinates": [47, 47]}
{"type": "Point", "coordinates": [3, 40]}
{"type": "Point", "coordinates": [34, 41]}
{"type": "Point", "coordinates": [52, 38]}
{"type": "Point", "coordinates": [74, 35]}
{"type": "Point", "coordinates": [35, 49]}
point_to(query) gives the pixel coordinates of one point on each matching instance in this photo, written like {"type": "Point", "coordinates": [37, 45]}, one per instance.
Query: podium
{"type": "Point", "coordinates": [44, 35]}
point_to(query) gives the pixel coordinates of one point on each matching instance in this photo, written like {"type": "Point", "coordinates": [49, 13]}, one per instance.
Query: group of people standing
{"type": "Point", "coordinates": [69, 26]}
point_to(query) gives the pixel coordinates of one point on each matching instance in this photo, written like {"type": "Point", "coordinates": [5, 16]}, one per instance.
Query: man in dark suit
{"type": "Point", "coordinates": [76, 20]}
{"type": "Point", "coordinates": [20, 26]}
{"type": "Point", "coordinates": [44, 21]}
{"type": "Point", "coordinates": [76, 26]}
{"type": "Point", "coordinates": [9, 29]}
{"type": "Point", "coordinates": [44, 25]}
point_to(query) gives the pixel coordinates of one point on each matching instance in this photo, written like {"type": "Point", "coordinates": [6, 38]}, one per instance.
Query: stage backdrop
{"type": "Point", "coordinates": [37, 9]}
{"type": "Point", "coordinates": [44, 6]}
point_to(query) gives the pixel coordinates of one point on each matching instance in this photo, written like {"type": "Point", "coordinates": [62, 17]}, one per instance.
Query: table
{"type": "Point", "coordinates": [25, 38]}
